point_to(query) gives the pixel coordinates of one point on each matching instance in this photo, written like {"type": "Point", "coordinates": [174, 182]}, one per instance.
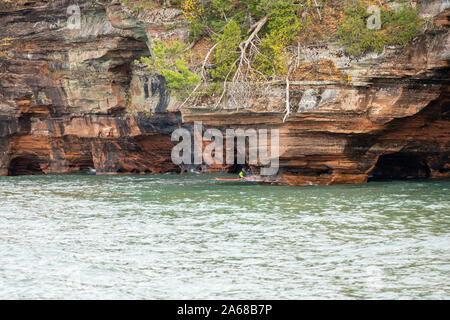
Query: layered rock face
{"type": "Point", "coordinates": [64, 91]}
{"type": "Point", "coordinates": [66, 96]}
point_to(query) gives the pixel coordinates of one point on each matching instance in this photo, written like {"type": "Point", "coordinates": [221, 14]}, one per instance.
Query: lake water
{"type": "Point", "coordinates": [188, 237]}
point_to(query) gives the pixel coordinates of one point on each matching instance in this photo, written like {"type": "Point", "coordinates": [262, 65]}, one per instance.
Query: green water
{"type": "Point", "coordinates": [188, 237]}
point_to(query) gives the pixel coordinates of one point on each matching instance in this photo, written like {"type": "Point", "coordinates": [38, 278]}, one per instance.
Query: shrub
{"type": "Point", "coordinates": [169, 60]}
{"type": "Point", "coordinates": [401, 26]}
{"type": "Point", "coordinates": [356, 37]}
{"type": "Point", "coordinates": [282, 28]}
{"type": "Point", "coordinates": [397, 29]}
{"type": "Point", "coordinates": [224, 20]}
{"type": "Point", "coordinates": [226, 51]}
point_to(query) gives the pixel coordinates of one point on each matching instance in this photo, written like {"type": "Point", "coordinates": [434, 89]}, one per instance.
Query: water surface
{"type": "Point", "coordinates": [188, 237]}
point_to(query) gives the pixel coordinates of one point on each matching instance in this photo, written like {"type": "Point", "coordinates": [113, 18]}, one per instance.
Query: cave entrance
{"type": "Point", "coordinates": [237, 167]}
{"type": "Point", "coordinates": [83, 164]}
{"type": "Point", "coordinates": [400, 166]}
{"type": "Point", "coordinates": [24, 165]}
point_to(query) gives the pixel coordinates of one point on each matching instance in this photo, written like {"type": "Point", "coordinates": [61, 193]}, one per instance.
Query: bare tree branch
{"type": "Point", "coordinates": [244, 45]}
{"type": "Point", "coordinates": [288, 103]}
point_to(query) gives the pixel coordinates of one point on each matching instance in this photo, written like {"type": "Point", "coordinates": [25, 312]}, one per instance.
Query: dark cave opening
{"type": "Point", "coordinates": [24, 165]}
{"type": "Point", "coordinates": [239, 165]}
{"type": "Point", "coordinates": [400, 166]}
{"type": "Point", "coordinates": [84, 164]}
{"type": "Point", "coordinates": [237, 168]}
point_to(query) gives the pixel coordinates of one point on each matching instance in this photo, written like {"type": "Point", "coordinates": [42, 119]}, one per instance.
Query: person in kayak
{"type": "Point", "coordinates": [244, 173]}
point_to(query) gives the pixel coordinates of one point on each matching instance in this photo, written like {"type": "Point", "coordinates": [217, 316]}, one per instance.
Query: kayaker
{"type": "Point", "coordinates": [244, 173]}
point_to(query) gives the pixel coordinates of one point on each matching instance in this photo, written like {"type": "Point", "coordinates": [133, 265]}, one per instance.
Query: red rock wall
{"type": "Point", "coordinates": [71, 100]}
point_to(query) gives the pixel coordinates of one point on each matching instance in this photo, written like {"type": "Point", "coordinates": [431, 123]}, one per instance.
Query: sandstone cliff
{"type": "Point", "coordinates": [71, 100]}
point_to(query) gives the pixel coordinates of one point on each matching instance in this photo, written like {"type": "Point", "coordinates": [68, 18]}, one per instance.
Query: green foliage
{"type": "Point", "coordinates": [210, 19]}
{"type": "Point", "coordinates": [356, 37]}
{"type": "Point", "coordinates": [226, 51]}
{"type": "Point", "coordinates": [224, 21]}
{"type": "Point", "coordinates": [213, 15]}
{"type": "Point", "coordinates": [397, 29]}
{"type": "Point", "coordinates": [169, 60]}
{"type": "Point", "coordinates": [136, 5]}
{"type": "Point", "coordinates": [282, 27]}
{"type": "Point", "coordinates": [401, 26]}
{"type": "Point", "coordinates": [283, 23]}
